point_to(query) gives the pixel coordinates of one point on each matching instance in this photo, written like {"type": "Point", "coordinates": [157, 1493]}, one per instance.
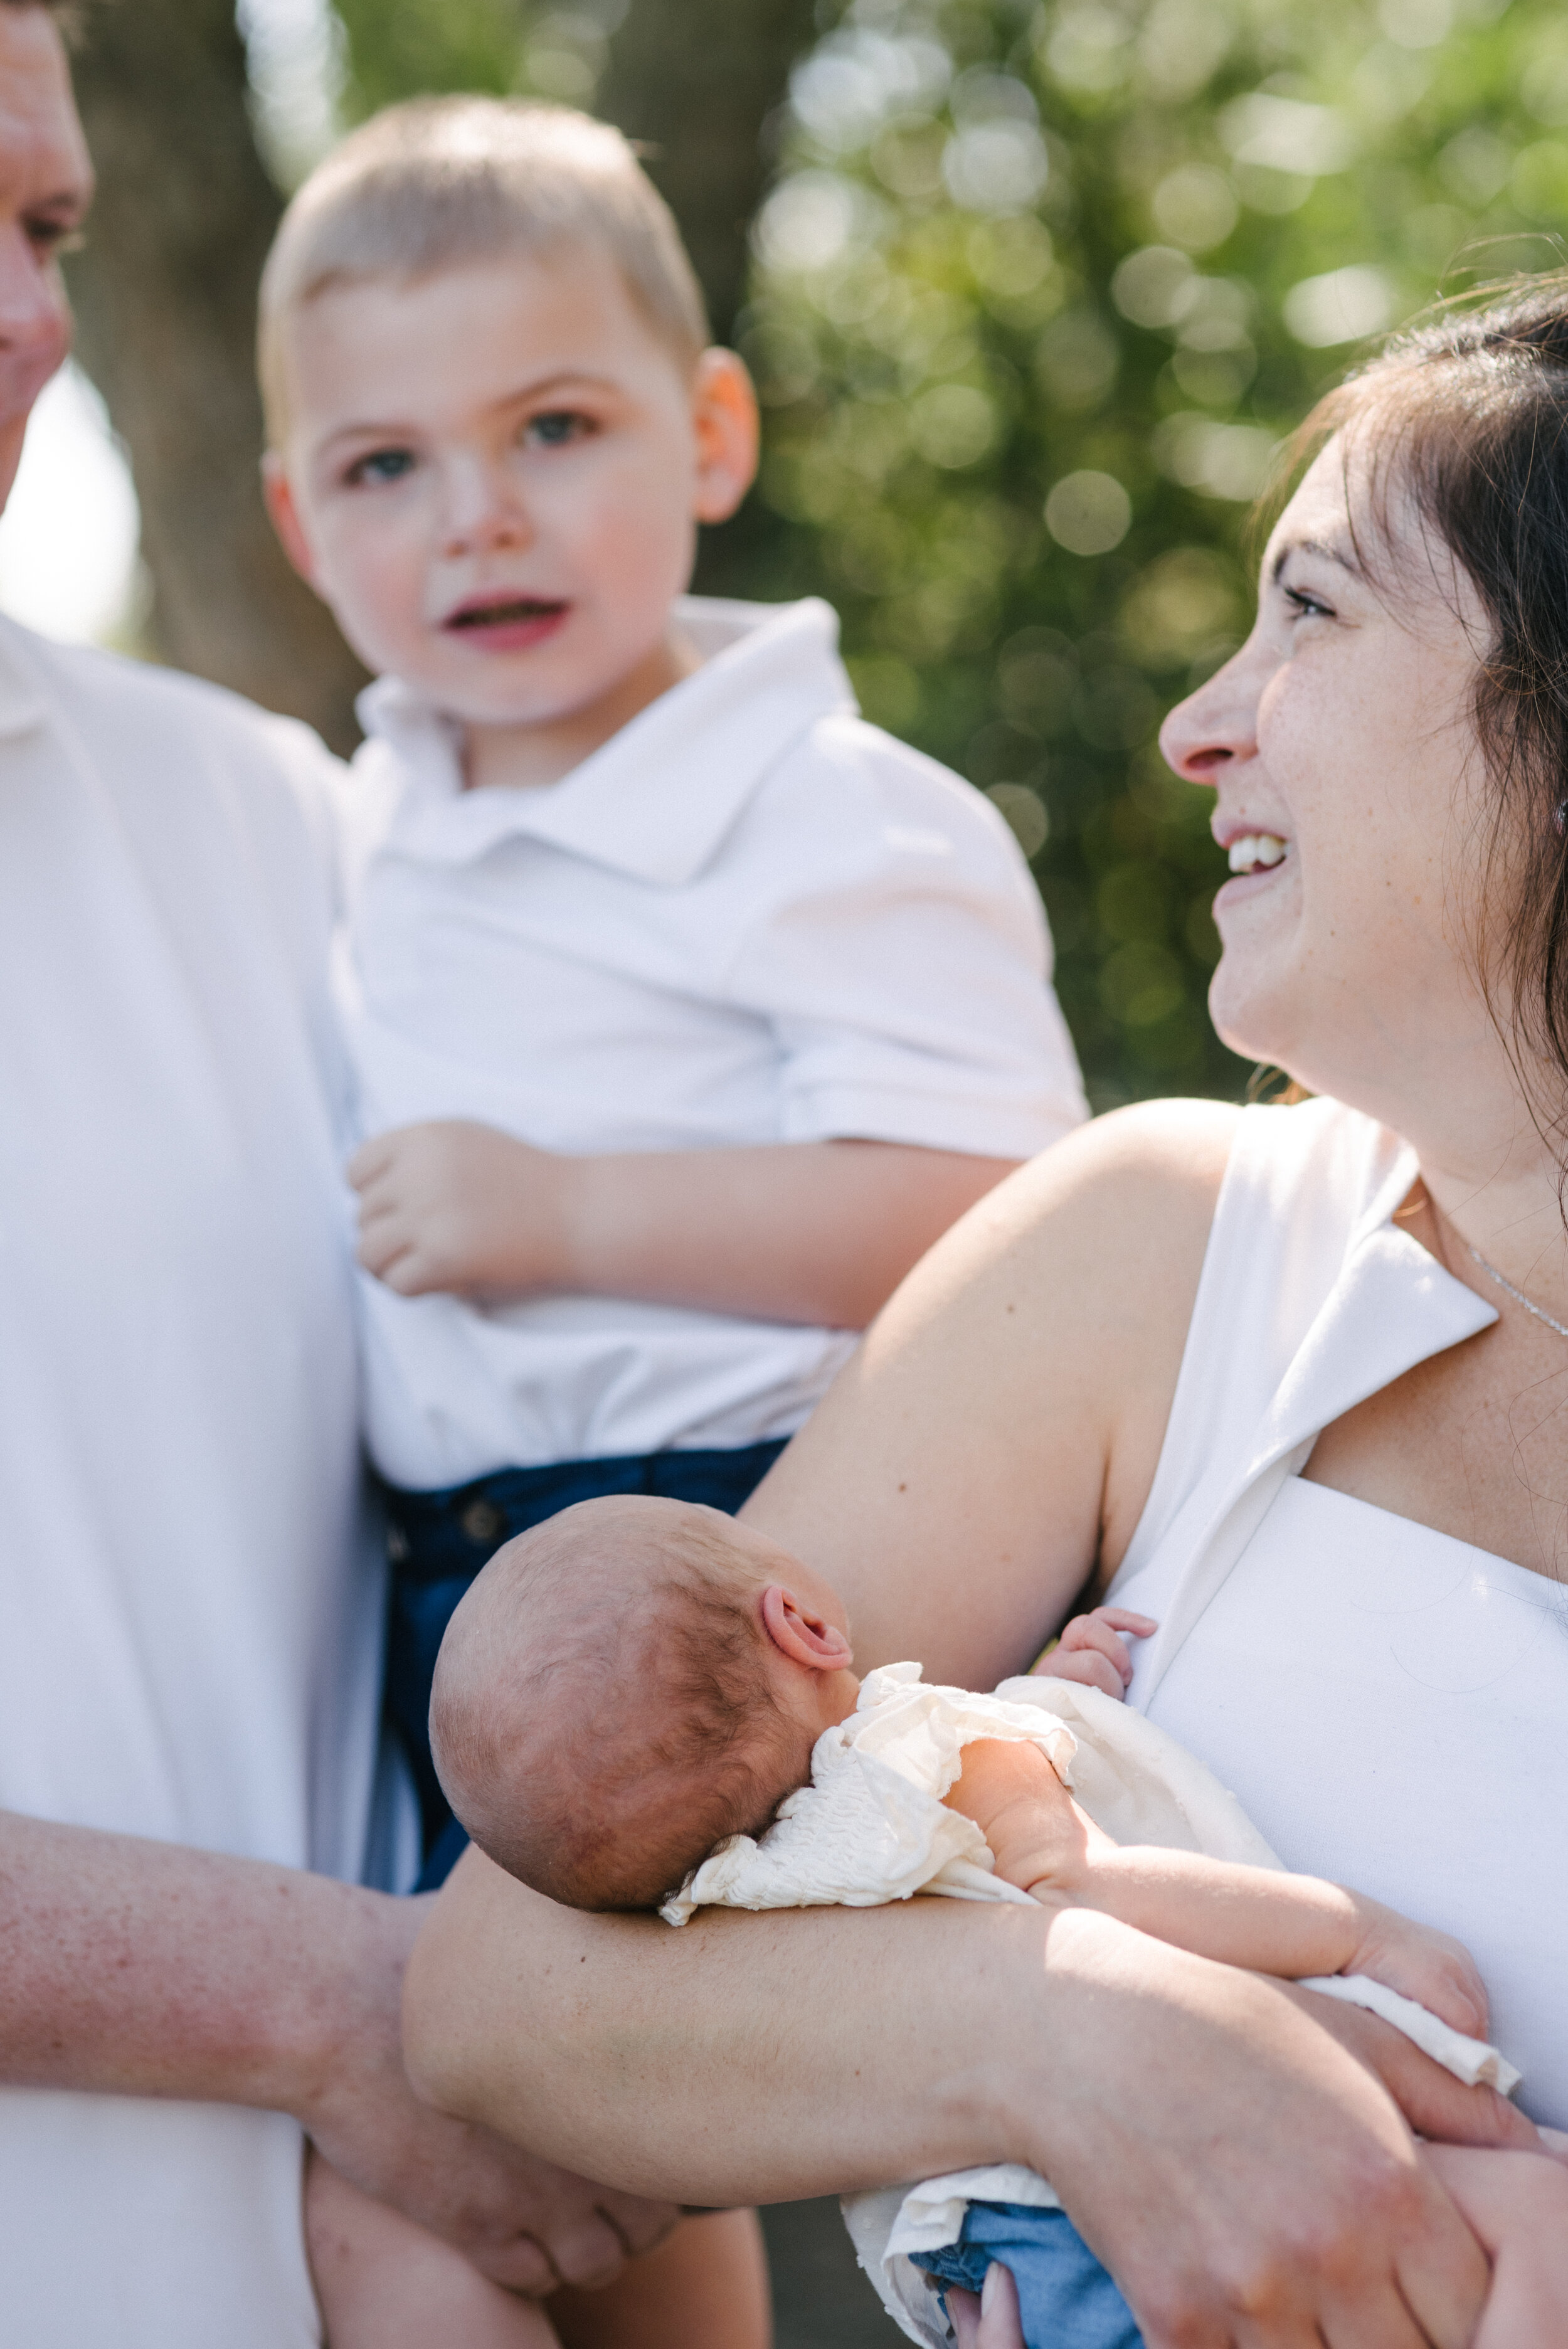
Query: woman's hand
{"type": "Point", "coordinates": [1249, 2184]}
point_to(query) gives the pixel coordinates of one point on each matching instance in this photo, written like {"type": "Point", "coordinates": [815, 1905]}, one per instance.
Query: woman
{"type": "Point", "coordinates": [1287, 1379]}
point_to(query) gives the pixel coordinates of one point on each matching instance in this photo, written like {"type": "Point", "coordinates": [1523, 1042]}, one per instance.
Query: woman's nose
{"type": "Point", "coordinates": [1217, 725]}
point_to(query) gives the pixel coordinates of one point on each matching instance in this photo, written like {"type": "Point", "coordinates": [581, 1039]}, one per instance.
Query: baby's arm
{"type": "Point", "coordinates": [817, 1232]}
{"type": "Point", "coordinates": [1254, 1917]}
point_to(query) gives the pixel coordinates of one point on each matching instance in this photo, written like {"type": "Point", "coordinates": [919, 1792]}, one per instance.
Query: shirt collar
{"type": "Point", "coordinates": [1393, 1305]}
{"type": "Point", "coordinates": [656, 799]}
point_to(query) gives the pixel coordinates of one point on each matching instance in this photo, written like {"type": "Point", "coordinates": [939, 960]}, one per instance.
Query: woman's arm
{"type": "Point", "coordinates": [1245, 2177]}
{"type": "Point", "coordinates": [1248, 2181]}
{"type": "Point", "coordinates": [996, 1436]}
{"type": "Point", "coordinates": [149, 1969]}
{"type": "Point", "coordinates": [806, 1231]}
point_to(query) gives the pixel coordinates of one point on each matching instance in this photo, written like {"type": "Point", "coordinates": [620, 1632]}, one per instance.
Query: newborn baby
{"type": "Point", "coordinates": [643, 1704]}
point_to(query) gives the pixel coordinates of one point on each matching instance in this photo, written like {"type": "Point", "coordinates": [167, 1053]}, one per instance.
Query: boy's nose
{"type": "Point", "coordinates": [484, 511]}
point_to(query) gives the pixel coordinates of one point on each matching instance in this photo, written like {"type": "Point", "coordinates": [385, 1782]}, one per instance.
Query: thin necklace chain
{"type": "Point", "coordinates": [1518, 1295]}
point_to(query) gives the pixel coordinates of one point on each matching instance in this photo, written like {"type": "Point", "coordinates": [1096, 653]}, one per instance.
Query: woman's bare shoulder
{"type": "Point", "coordinates": [1129, 1193]}
{"type": "Point", "coordinates": [1007, 1405]}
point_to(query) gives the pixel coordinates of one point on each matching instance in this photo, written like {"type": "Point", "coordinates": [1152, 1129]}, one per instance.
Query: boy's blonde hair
{"type": "Point", "coordinates": [440, 182]}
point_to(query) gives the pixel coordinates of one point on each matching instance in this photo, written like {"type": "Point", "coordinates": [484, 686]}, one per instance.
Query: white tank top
{"type": "Point", "coordinates": [1390, 1704]}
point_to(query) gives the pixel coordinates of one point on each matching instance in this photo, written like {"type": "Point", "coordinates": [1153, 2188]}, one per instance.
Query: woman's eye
{"type": "Point", "coordinates": [1306, 606]}
{"type": "Point", "coordinates": [556, 427]}
{"type": "Point", "coordinates": [381, 465]}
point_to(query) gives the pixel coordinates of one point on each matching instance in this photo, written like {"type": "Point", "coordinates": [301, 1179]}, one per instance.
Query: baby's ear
{"type": "Point", "coordinates": [805, 1638]}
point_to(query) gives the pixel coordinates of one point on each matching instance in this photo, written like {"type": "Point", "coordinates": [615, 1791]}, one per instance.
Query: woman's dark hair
{"type": "Point", "coordinates": [1466, 417]}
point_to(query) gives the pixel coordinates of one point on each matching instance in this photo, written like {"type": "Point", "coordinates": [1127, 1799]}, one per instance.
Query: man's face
{"type": "Point", "coordinates": [45, 183]}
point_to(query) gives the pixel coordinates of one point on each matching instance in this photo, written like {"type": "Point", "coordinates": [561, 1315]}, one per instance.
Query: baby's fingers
{"type": "Point", "coordinates": [1086, 1667]}
{"type": "Point", "coordinates": [1100, 1633]}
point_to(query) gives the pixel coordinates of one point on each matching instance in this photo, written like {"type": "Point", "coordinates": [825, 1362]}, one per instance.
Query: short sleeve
{"type": "Point", "coordinates": [896, 944]}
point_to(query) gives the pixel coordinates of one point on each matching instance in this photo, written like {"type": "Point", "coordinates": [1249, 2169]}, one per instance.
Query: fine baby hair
{"type": "Point", "coordinates": [602, 1713]}
{"type": "Point", "coordinates": [440, 182]}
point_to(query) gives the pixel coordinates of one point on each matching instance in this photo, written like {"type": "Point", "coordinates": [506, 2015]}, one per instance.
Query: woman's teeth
{"type": "Point", "coordinates": [1255, 848]}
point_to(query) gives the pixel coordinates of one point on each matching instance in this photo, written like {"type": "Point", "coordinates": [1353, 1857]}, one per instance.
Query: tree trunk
{"type": "Point", "coordinates": [697, 80]}
{"type": "Point", "coordinates": [165, 295]}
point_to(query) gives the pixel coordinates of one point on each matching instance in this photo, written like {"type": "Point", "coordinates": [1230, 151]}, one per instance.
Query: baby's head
{"type": "Point", "coordinates": [625, 1686]}
{"type": "Point", "coordinates": [493, 421]}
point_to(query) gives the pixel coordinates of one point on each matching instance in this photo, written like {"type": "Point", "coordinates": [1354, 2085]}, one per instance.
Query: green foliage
{"type": "Point", "coordinates": [398, 48]}
{"type": "Point", "coordinates": [1037, 295]}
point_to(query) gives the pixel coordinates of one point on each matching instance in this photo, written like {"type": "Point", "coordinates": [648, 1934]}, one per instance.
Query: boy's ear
{"type": "Point", "coordinates": [723, 414]}
{"type": "Point", "coordinates": [806, 1639]}
{"type": "Point", "coordinates": [280, 504]}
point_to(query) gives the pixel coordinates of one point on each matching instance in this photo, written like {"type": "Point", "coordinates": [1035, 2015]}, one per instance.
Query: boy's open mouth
{"type": "Point", "coordinates": [505, 612]}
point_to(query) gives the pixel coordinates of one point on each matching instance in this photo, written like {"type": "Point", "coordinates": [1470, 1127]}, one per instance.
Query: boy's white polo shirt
{"type": "Point", "coordinates": [748, 918]}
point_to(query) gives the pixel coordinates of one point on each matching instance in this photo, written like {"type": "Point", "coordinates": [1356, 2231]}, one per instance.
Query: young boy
{"type": "Point", "coordinates": [598, 1751]}
{"type": "Point", "coordinates": [686, 1010]}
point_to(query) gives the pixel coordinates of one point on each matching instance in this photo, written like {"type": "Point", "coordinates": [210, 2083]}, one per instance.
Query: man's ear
{"type": "Point", "coordinates": [724, 416]}
{"type": "Point", "coordinates": [279, 498]}
{"type": "Point", "coordinates": [806, 1639]}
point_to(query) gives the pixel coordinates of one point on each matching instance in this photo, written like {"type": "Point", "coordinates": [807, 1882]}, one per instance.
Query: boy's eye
{"type": "Point", "coordinates": [556, 427]}
{"type": "Point", "coordinates": [381, 465]}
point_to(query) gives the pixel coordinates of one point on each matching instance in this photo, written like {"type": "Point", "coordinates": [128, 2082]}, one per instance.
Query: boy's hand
{"type": "Point", "coordinates": [1093, 1651]}
{"type": "Point", "coordinates": [1432, 1968]}
{"type": "Point", "coordinates": [463, 1208]}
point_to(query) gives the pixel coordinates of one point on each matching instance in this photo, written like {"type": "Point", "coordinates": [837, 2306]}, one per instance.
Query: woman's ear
{"type": "Point", "coordinates": [279, 498]}
{"type": "Point", "coordinates": [806, 1639]}
{"type": "Point", "coordinates": [724, 417]}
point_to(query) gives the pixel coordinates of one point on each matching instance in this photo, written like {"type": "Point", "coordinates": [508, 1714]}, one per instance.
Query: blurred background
{"type": "Point", "coordinates": [1031, 294]}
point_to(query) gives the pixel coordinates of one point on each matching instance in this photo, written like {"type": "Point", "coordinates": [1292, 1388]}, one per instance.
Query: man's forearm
{"type": "Point", "coordinates": [147, 1969]}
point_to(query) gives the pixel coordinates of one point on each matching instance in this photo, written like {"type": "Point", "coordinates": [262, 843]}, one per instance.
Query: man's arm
{"type": "Point", "coordinates": [817, 1232]}
{"type": "Point", "coordinates": [147, 1970]}
{"type": "Point", "coordinates": [1244, 2176]}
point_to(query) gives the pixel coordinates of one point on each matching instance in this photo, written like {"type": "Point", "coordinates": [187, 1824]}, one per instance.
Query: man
{"type": "Point", "coordinates": [188, 1677]}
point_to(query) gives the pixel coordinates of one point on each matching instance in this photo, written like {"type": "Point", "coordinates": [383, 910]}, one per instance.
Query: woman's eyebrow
{"type": "Point", "coordinates": [1326, 547]}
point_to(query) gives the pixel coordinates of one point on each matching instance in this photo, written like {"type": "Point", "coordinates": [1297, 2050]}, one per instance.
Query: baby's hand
{"type": "Point", "coordinates": [1092, 1651]}
{"type": "Point", "coordinates": [1432, 1968]}
{"type": "Point", "coordinates": [459, 1208]}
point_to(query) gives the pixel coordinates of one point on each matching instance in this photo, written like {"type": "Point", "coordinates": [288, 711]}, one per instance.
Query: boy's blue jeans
{"type": "Point", "coordinates": [438, 1543]}
{"type": "Point", "coordinates": [1066, 2300]}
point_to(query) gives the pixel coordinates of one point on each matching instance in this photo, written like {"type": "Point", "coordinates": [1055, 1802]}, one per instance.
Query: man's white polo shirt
{"type": "Point", "coordinates": [748, 918]}
{"type": "Point", "coordinates": [190, 1604]}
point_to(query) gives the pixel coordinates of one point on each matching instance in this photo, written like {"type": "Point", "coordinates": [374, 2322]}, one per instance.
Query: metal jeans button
{"type": "Point", "coordinates": [483, 1523]}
